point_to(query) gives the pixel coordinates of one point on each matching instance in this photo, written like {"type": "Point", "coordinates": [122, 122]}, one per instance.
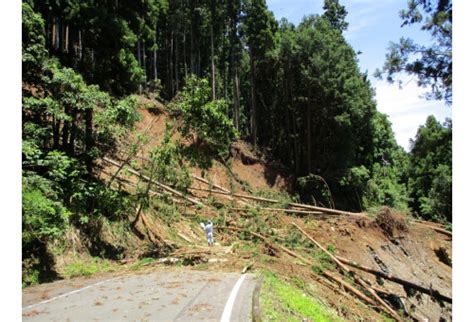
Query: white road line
{"type": "Point", "coordinates": [230, 301]}
{"type": "Point", "coordinates": [67, 294]}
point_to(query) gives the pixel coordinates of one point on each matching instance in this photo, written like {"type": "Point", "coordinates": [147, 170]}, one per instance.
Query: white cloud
{"type": "Point", "coordinates": [363, 15]}
{"type": "Point", "coordinates": [406, 109]}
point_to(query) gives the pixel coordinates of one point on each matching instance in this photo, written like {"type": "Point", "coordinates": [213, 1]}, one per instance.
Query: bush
{"type": "Point", "coordinates": [42, 216]}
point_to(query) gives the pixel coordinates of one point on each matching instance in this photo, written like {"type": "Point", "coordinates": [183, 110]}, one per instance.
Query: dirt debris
{"type": "Point", "coordinates": [392, 224]}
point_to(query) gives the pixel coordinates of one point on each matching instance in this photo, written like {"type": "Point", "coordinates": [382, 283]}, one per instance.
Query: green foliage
{"type": "Point", "coordinates": [31, 277]}
{"type": "Point", "coordinates": [430, 172]}
{"type": "Point", "coordinates": [91, 200]}
{"type": "Point", "coordinates": [335, 13]}
{"type": "Point", "coordinates": [142, 263]}
{"type": "Point", "coordinates": [385, 189]}
{"type": "Point", "coordinates": [316, 187]}
{"type": "Point", "coordinates": [123, 113]}
{"type": "Point", "coordinates": [43, 215]}
{"type": "Point", "coordinates": [205, 121]}
{"type": "Point", "coordinates": [165, 210]}
{"type": "Point", "coordinates": [63, 118]}
{"type": "Point", "coordinates": [33, 43]}
{"type": "Point", "coordinates": [431, 64]}
{"type": "Point", "coordinates": [323, 261]}
{"type": "Point", "coordinates": [166, 163]}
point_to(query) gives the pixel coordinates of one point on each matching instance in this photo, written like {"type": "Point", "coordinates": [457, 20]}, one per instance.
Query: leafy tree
{"type": "Point", "coordinates": [430, 174]}
{"type": "Point", "coordinates": [432, 65]}
{"type": "Point", "coordinates": [205, 121]}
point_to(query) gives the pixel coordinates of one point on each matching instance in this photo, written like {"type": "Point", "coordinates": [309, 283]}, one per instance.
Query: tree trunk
{"type": "Point", "coordinates": [144, 63]}
{"type": "Point", "coordinates": [53, 34]}
{"type": "Point", "coordinates": [159, 184]}
{"type": "Point", "coordinates": [296, 146]}
{"type": "Point", "coordinates": [155, 69]}
{"type": "Point", "coordinates": [89, 138]}
{"type": "Point", "coordinates": [236, 99]}
{"type": "Point", "coordinates": [253, 114]}
{"type": "Point", "coordinates": [191, 53]}
{"type": "Point", "coordinates": [139, 58]}
{"type": "Point", "coordinates": [56, 125]}
{"type": "Point", "coordinates": [65, 134]}
{"type": "Point", "coordinates": [397, 280]}
{"type": "Point", "coordinates": [350, 288]}
{"type": "Point", "coordinates": [287, 125]}
{"type": "Point", "coordinates": [170, 64]}
{"type": "Point", "coordinates": [358, 280]}
{"type": "Point", "coordinates": [73, 134]}
{"type": "Point", "coordinates": [80, 45]}
{"type": "Point", "coordinates": [184, 54]}
{"type": "Point", "coordinates": [213, 67]}
{"type": "Point", "coordinates": [66, 45]}
{"type": "Point", "coordinates": [59, 37]}
{"type": "Point", "coordinates": [308, 138]}
{"type": "Point", "coordinates": [176, 50]}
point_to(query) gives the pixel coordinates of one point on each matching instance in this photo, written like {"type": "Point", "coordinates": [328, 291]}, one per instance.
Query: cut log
{"type": "Point", "coordinates": [297, 205]}
{"type": "Point", "coordinates": [325, 210]}
{"type": "Point", "coordinates": [151, 192]}
{"type": "Point", "coordinates": [435, 228]}
{"type": "Point", "coordinates": [434, 293]}
{"type": "Point", "coordinates": [210, 183]}
{"type": "Point", "coordinates": [184, 237]}
{"type": "Point", "coordinates": [225, 195]}
{"type": "Point", "coordinates": [341, 265]}
{"type": "Point", "coordinates": [131, 153]}
{"type": "Point", "coordinates": [358, 280]}
{"type": "Point", "coordinates": [349, 287]}
{"type": "Point", "coordinates": [265, 239]}
{"type": "Point", "coordinates": [159, 184]}
{"type": "Point", "coordinates": [332, 285]}
{"type": "Point", "coordinates": [291, 211]}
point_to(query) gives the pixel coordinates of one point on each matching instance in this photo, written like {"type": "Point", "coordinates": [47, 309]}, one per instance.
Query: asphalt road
{"type": "Point", "coordinates": [160, 295]}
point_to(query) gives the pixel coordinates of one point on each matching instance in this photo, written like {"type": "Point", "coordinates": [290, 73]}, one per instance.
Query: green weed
{"type": "Point", "coordinates": [83, 268]}
{"type": "Point", "coordinates": [283, 302]}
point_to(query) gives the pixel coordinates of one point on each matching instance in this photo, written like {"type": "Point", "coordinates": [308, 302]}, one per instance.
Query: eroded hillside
{"type": "Point", "coordinates": [256, 229]}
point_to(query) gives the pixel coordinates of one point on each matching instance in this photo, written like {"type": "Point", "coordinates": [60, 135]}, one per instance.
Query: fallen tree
{"type": "Point", "coordinates": [349, 287]}
{"type": "Point", "coordinates": [159, 184]}
{"type": "Point", "coordinates": [384, 306]}
{"type": "Point", "coordinates": [434, 293]}
{"type": "Point", "coordinates": [291, 211]}
{"type": "Point", "coordinates": [292, 204]}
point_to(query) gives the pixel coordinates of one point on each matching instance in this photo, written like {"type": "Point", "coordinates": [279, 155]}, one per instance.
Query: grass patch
{"type": "Point", "coordinates": [86, 268]}
{"type": "Point", "coordinates": [281, 301]}
{"type": "Point", "coordinates": [141, 263]}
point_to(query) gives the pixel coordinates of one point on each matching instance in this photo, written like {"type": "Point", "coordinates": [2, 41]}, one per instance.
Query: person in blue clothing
{"type": "Point", "coordinates": [208, 229]}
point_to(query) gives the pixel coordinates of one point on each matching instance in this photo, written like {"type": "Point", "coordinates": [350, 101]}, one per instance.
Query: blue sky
{"type": "Point", "coordinates": [372, 25]}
